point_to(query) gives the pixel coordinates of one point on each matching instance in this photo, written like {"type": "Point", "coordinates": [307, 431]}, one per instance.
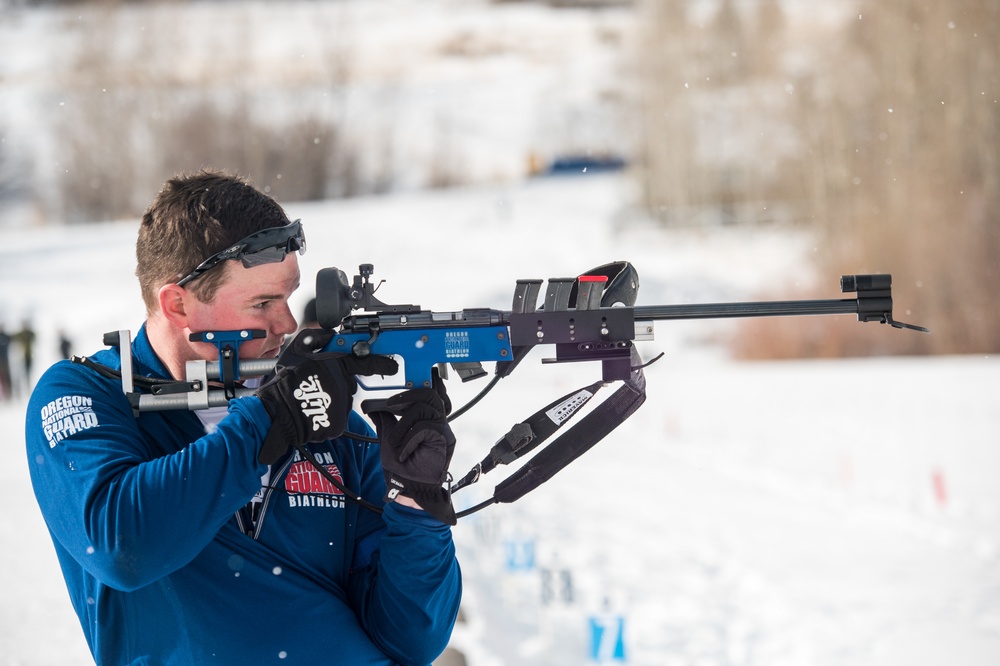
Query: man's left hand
{"type": "Point", "coordinates": [417, 445]}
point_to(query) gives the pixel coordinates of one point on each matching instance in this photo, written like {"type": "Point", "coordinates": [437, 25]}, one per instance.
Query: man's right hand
{"type": "Point", "coordinates": [311, 393]}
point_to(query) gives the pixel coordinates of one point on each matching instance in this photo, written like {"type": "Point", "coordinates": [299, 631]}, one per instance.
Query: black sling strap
{"type": "Point", "coordinates": [573, 443]}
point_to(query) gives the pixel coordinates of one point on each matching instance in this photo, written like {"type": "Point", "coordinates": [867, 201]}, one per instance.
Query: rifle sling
{"type": "Point", "coordinates": [573, 443]}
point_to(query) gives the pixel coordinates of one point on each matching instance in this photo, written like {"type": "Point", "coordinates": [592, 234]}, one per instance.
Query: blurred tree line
{"type": "Point", "coordinates": [132, 112]}
{"type": "Point", "coordinates": [880, 132]}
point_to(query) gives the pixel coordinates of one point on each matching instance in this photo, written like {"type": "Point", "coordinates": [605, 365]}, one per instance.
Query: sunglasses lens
{"type": "Point", "coordinates": [269, 255]}
{"type": "Point", "coordinates": [275, 253]}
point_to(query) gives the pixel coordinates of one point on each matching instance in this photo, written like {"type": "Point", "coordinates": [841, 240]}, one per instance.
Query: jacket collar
{"type": "Point", "coordinates": [145, 360]}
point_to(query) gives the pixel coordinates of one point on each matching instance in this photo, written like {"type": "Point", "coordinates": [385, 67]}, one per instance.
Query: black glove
{"type": "Point", "coordinates": [417, 445]}
{"type": "Point", "coordinates": [311, 392]}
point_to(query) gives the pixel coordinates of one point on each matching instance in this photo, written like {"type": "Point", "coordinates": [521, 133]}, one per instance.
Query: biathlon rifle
{"type": "Point", "coordinates": [592, 317]}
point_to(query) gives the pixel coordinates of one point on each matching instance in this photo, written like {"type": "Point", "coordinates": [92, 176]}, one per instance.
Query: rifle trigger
{"type": "Point", "coordinates": [374, 405]}
{"type": "Point", "coordinates": [363, 348]}
{"type": "Point", "coordinates": [468, 370]}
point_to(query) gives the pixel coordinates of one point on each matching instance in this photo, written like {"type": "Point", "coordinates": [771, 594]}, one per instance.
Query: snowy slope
{"type": "Point", "coordinates": [750, 513]}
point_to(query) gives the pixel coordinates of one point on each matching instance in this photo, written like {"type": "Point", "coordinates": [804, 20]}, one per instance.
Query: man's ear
{"type": "Point", "coordinates": [173, 304]}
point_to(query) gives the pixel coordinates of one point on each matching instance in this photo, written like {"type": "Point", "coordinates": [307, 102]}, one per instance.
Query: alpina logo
{"type": "Point", "coordinates": [314, 401]}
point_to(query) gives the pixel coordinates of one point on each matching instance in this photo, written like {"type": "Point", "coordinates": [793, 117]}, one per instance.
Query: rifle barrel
{"type": "Point", "coordinates": [748, 309]}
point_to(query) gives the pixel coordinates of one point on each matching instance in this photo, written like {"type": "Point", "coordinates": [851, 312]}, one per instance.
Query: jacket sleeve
{"type": "Point", "coordinates": [126, 512]}
{"type": "Point", "coordinates": [408, 595]}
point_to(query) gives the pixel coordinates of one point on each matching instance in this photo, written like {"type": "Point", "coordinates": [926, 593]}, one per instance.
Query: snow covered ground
{"type": "Point", "coordinates": [808, 513]}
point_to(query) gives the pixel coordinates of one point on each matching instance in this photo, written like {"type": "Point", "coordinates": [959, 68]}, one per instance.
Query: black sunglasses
{"type": "Point", "coordinates": [268, 246]}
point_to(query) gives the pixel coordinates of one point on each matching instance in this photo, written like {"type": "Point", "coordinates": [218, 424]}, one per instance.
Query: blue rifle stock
{"type": "Point", "coordinates": [467, 338]}
{"type": "Point", "coordinates": [423, 348]}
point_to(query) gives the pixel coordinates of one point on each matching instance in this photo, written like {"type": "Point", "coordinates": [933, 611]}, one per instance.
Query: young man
{"type": "Point", "coordinates": [196, 537]}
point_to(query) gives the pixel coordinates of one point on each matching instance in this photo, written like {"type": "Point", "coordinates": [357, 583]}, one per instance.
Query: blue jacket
{"type": "Point", "coordinates": [165, 566]}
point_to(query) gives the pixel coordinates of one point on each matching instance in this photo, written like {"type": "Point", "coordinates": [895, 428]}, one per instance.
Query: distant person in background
{"type": "Point", "coordinates": [309, 319]}
{"type": "Point", "coordinates": [6, 388]}
{"type": "Point", "coordinates": [65, 345]}
{"type": "Point", "coordinates": [26, 340]}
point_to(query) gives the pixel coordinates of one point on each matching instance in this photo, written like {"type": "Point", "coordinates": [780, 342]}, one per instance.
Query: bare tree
{"type": "Point", "coordinates": [918, 164]}
{"type": "Point", "coordinates": [893, 129]}
{"type": "Point", "coordinates": [716, 135]}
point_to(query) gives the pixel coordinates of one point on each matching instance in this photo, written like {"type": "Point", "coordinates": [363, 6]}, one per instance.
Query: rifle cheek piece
{"type": "Point", "coordinates": [621, 285]}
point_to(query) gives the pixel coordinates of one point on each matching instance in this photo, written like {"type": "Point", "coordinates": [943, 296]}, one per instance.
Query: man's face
{"type": "Point", "coordinates": [249, 298]}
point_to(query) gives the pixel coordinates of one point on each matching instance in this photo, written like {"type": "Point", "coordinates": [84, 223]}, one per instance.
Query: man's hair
{"type": "Point", "coordinates": [193, 217]}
